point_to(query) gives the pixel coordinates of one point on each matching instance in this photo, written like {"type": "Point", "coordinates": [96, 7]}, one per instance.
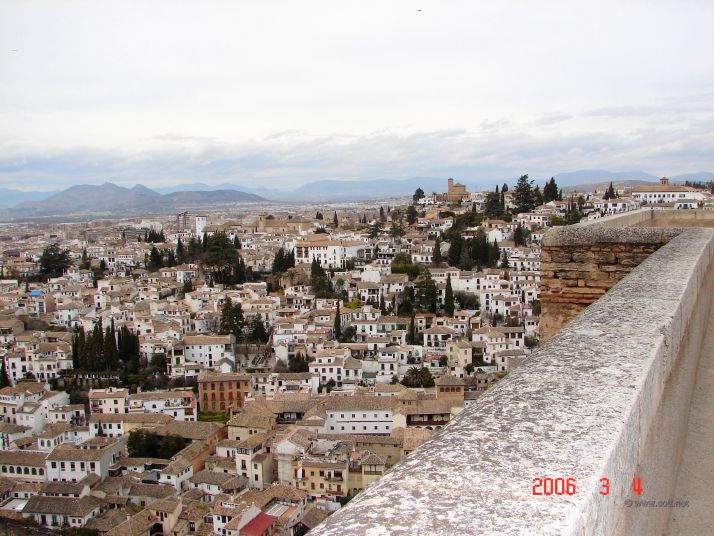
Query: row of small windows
{"type": "Point", "coordinates": [364, 428]}
{"type": "Point", "coordinates": [72, 466]}
{"type": "Point", "coordinates": [17, 470]}
{"type": "Point", "coordinates": [364, 415]}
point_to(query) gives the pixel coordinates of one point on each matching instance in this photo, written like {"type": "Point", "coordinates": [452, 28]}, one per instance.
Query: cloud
{"type": "Point", "coordinates": [182, 138]}
{"type": "Point", "coordinates": [205, 91]}
{"type": "Point", "coordinates": [295, 157]}
{"type": "Point", "coordinates": [552, 118]}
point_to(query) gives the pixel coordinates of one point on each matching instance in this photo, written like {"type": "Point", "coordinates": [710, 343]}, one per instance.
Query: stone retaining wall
{"type": "Point", "coordinates": [580, 264]}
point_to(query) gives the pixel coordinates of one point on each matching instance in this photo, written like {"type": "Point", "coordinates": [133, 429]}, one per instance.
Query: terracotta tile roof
{"type": "Point", "coordinates": [312, 517]}
{"type": "Point", "coordinates": [210, 376]}
{"type": "Point", "coordinates": [137, 524]}
{"type": "Point", "coordinates": [348, 403]}
{"type": "Point", "coordinates": [167, 506]}
{"type": "Point", "coordinates": [450, 381]}
{"type": "Point", "coordinates": [71, 506]}
{"type": "Point", "coordinates": [23, 457]}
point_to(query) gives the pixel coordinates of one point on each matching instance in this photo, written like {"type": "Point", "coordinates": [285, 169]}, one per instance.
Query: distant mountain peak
{"type": "Point", "coordinates": [113, 199]}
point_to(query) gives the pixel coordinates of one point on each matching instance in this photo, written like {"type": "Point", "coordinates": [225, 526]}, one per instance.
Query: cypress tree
{"type": "Point", "coordinates": [338, 322]}
{"type": "Point", "coordinates": [258, 332]}
{"type": "Point", "coordinates": [180, 252]}
{"type": "Point", "coordinates": [4, 377]}
{"type": "Point", "coordinates": [449, 298]}
{"type": "Point", "coordinates": [109, 350]}
{"type": "Point", "coordinates": [75, 350]}
{"type": "Point", "coordinates": [454, 249]}
{"type": "Point", "coordinates": [436, 256]}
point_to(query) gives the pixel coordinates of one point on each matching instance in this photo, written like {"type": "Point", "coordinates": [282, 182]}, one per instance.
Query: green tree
{"type": "Point", "coordinates": [455, 244]}
{"type": "Point", "coordinates": [375, 229]}
{"type": "Point", "coordinates": [427, 293]}
{"type": "Point", "coordinates": [411, 334]}
{"type": "Point", "coordinates": [187, 287]}
{"type": "Point", "coordinates": [449, 298]}
{"type": "Point", "coordinates": [330, 385]}
{"type": "Point", "coordinates": [54, 261]}
{"type": "Point", "coordinates": [413, 377]}
{"type": "Point", "coordinates": [220, 256]}
{"type": "Point", "coordinates": [427, 380]}
{"type": "Point", "coordinates": [181, 253]}
{"type": "Point", "coordinates": [155, 260]}
{"type": "Point", "coordinates": [523, 195]}
{"type": "Point", "coordinates": [279, 261]}
{"type": "Point", "coordinates": [338, 322]}
{"type": "Point", "coordinates": [195, 249]}
{"type": "Point", "coordinates": [418, 194]}
{"type": "Point", "coordinates": [240, 272]}
{"type": "Point", "coordinates": [492, 205]}
{"type": "Point", "coordinates": [232, 321]}
{"type": "Point", "coordinates": [537, 196]}
{"type": "Point", "coordinates": [298, 363]}
{"type": "Point", "coordinates": [411, 214]}
{"type": "Point", "coordinates": [436, 258]}
{"type": "Point", "coordinates": [550, 191]}
{"type": "Point", "coordinates": [4, 378]}
{"type": "Point", "coordinates": [86, 263]}
{"type": "Point", "coordinates": [397, 230]}
{"type": "Point", "coordinates": [334, 220]}
{"type": "Point", "coordinates": [145, 444]}
{"type": "Point", "coordinates": [610, 193]}
{"type": "Point", "coordinates": [258, 331]}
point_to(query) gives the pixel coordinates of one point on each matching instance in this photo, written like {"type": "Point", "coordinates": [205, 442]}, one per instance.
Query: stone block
{"type": "Point", "coordinates": [578, 291]}
{"type": "Point", "coordinates": [561, 256]}
{"type": "Point", "coordinates": [601, 257]}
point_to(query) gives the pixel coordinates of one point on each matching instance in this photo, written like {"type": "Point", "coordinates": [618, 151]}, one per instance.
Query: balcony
{"type": "Point", "coordinates": [622, 390]}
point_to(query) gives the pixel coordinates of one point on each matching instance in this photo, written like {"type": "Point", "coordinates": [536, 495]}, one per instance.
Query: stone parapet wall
{"type": "Point", "coordinates": [606, 397]}
{"type": "Point", "coordinates": [580, 264]}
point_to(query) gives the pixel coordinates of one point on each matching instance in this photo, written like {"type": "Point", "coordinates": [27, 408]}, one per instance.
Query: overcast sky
{"type": "Point", "coordinates": [279, 93]}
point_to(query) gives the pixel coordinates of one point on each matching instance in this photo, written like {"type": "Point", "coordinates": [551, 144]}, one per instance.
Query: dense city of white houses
{"type": "Point", "coordinates": [248, 374]}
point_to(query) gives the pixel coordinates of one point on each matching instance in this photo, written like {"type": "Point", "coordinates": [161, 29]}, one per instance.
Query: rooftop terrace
{"type": "Point", "coordinates": [622, 389]}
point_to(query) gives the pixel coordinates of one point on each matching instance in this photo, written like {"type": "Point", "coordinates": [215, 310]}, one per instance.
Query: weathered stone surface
{"type": "Point", "coordinates": [581, 237]}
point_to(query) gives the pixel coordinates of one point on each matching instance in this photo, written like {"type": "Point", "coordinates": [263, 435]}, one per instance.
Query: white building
{"type": "Point", "coordinates": [208, 350]}
{"type": "Point", "coordinates": [109, 400]}
{"type": "Point", "coordinates": [181, 405]}
{"type": "Point", "coordinates": [665, 192]}
{"type": "Point", "coordinates": [359, 415]}
{"type": "Point", "coordinates": [329, 253]}
{"type": "Point", "coordinates": [73, 463]}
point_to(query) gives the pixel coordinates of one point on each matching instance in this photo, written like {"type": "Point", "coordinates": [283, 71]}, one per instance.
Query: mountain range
{"type": "Point", "coordinates": [109, 198]}
{"type": "Point", "coordinates": [365, 190]}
